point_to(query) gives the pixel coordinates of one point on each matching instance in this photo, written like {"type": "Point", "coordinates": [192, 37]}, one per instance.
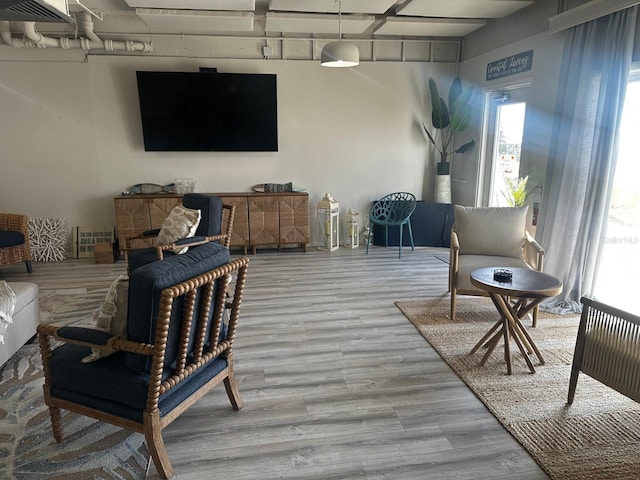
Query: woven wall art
{"type": "Point", "coordinates": [48, 239]}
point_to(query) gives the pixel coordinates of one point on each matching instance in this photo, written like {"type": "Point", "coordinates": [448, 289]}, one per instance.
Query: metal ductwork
{"type": "Point", "coordinates": [35, 11]}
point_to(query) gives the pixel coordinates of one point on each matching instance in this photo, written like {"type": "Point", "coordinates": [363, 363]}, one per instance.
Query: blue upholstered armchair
{"type": "Point", "coordinates": [178, 347]}
{"type": "Point", "coordinates": [214, 226]}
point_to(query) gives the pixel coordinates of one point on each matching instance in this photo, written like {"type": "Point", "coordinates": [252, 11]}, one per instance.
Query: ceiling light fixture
{"type": "Point", "coordinates": [340, 54]}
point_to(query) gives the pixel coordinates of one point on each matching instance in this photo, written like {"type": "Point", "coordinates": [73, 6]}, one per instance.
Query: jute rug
{"type": "Point", "coordinates": [597, 437]}
{"type": "Point", "coordinates": [90, 449]}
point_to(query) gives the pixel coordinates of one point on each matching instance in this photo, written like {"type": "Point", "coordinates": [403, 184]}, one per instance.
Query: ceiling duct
{"type": "Point", "coordinates": [35, 11]}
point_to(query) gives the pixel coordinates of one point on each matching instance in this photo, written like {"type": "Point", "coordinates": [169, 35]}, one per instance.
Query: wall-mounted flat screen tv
{"type": "Point", "coordinates": [205, 112]}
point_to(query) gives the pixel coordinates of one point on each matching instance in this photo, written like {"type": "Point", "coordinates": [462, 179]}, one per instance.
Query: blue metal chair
{"type": "Point", "coordinates": [393, 209]}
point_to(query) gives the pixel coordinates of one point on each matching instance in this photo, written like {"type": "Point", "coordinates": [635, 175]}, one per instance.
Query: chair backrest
{"type": "Point", "coordinates": [211, 210]}
{"type": "Point", "coordinates": [394, 208]}
{"type": "Point", "coordinates": [188, 311]}
{"type": "Point", "coordinates": [498, 231]}
{"type": "Point", "coordinates": [608, 346]}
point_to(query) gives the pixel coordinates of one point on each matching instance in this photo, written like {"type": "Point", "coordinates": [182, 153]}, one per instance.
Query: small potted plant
{"type": "Point", "coordinates": [516, 194]}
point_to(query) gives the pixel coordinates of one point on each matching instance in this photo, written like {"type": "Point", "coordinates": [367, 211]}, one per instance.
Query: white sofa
{"type": "Point", "coordinates": [26, 318]}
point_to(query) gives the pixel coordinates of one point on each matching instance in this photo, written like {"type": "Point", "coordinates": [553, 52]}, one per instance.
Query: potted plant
{"type": "Point", "coordinates": [516, 194]}
{"type": "Point", "coordinates": [448, 119]}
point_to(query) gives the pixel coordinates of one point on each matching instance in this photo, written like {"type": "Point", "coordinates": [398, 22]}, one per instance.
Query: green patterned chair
{"type": "Point", "coordinates": [394, 209]}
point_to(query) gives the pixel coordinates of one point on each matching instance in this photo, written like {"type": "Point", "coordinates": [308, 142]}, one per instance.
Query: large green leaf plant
{"type": "Point", "coordinates": [449, 119]}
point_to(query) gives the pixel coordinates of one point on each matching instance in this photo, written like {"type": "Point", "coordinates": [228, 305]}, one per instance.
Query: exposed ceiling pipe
{"type": "Point", "coordinates": [5, 34]}
{"type": "Point", "coordinates": [29, 29]}
{"type": "Point", "coordinates": [33, 39]}
{"type": "Point", "coordinates": [87, 27]}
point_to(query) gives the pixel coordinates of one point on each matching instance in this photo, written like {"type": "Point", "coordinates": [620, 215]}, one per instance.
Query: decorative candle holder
{"type": "Point", "coordinates": [502, 275]}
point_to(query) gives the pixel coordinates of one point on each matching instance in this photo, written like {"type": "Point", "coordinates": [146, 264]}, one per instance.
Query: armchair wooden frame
{"type": "Point", "coordinates": [186, 364]}
{"type": "Point", "coordinates": [607, 349]}
{"type": "Point", "coordinates": [16, 253]}
{"type": "Point", "coordinates": [533, 255]}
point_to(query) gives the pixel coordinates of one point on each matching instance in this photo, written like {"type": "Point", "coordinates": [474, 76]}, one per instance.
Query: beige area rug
{"type": "Point", "coordinates": [597, 437]}
{"type": "Point", "coordinates": [90, 449]}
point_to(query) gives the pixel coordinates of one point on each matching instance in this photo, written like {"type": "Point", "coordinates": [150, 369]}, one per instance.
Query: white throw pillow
{"type": "Point", "coordinates": [181, 223]}
{"type": "Point", "coordinates": [112, 316]}
{"type": "Point", "coordinates": [7, 307]}
{"type": "Point", "coordinates": [495, 231]}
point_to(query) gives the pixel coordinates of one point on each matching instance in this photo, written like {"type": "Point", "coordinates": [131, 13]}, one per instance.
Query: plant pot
{"type": "Point", "coordinates": [443, 182]}
{"type": "Point", "coordinates": [443, 189]}
{"type": "Point", "coordinates": [443, 168]}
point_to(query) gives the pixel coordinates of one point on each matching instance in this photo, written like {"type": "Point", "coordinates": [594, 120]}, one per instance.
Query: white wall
{"type": "Point", "coordinates": [543, 76]}
{"type": "Point", "coordinates": [71, 134]}
{"type": "Point", "coordinates": [524, 23]}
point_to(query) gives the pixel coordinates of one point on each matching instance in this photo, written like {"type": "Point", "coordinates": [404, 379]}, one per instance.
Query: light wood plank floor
{"type": "Point", "coordinates": [337, 383]}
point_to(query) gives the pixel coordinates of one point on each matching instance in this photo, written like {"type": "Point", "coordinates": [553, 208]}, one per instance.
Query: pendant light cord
{"type": "Point", "coordinates": [339, 20]}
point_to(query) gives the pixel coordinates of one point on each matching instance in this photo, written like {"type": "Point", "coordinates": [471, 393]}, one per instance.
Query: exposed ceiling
{"type": "Point", "coordinates": [292, 18]}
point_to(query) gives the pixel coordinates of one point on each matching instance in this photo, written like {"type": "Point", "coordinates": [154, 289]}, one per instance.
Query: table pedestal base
{"type": "Point", "coordinates": [509, 326]}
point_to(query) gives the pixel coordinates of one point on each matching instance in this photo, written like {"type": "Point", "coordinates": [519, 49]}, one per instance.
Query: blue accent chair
{"type": "Point", "coordinates": [181, 326]}
{"type": "Point", "coordinates": [209, 229]}
{"type": "Point", "coordinates": [394, 209]}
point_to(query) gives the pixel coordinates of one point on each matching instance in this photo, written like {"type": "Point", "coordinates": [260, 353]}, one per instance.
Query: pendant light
{"type": "Point", "coordinates": [340, 54]}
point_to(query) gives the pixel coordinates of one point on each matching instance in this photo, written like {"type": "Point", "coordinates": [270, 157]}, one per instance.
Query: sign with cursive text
{"type": "Point", "coordinates": [510, 65]}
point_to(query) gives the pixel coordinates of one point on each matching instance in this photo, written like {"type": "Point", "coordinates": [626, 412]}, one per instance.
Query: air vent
{"type": "Point", "coordinates": [35, 11]}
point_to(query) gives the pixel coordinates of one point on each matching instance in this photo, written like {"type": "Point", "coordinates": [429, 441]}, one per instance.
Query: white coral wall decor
{"type": "Point", "coordinates": [48, 239]}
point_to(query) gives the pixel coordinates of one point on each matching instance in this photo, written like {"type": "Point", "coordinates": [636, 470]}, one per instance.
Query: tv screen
{"type": "Point", "coordinates": [204, 112]}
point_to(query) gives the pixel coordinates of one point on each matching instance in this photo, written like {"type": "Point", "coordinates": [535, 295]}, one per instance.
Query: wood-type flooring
{"type": "Point", "coordinates": [336, 383]}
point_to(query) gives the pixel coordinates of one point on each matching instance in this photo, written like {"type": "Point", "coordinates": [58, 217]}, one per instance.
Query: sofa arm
{"type": "Point", "coordinates": [533, 252]}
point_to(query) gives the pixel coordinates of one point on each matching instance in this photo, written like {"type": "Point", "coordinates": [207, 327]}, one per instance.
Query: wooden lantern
{"type": "Point", "coordinates": [328, 213]}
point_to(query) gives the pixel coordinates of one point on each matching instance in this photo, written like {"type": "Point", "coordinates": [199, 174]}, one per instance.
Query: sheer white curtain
{"type": "Point", "coordinates": [572, 223]}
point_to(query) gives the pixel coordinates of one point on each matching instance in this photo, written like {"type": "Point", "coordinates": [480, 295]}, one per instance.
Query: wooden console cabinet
{"type": "Point", "coordinates": [261, 218]}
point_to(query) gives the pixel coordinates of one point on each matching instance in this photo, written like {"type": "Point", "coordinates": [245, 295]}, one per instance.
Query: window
{"type": "Point", "coordinates": [500, 164]}
{"type": "Point", "coordinates": [506, 157]}
{"type": "Point", "coordinates": [620, 260]}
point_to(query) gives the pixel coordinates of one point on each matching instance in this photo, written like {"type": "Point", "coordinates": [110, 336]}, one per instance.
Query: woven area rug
{"type": "Point", "coordinates": [597, 437]}
{"type": "Point", "coordinates": [90, 449]}
{"type": "Point", "coordinates": [71, 306]}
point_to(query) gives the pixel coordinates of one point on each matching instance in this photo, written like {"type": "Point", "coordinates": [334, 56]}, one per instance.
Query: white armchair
{"type": "Point", "coordinates": [489, 237]}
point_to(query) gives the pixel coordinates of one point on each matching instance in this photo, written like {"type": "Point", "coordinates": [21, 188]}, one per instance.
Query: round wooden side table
{"type": "Point", "coordinates": [529, 287]}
